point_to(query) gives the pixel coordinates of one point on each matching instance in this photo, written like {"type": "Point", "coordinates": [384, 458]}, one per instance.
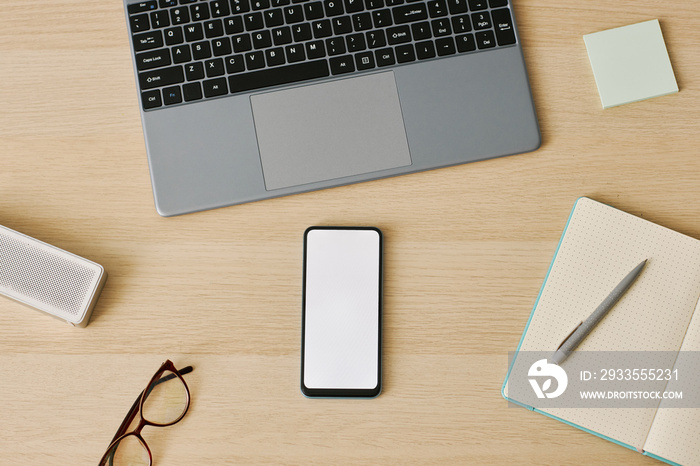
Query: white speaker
{"type": "Point", "coordinates": [49, 279]}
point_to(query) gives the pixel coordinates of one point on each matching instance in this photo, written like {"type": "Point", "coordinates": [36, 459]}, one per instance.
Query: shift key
{"type": "Point", "coordinates": [162, 77]}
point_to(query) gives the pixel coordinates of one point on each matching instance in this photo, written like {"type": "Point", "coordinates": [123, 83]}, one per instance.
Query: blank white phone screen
{"type": "Point", "coordinates": [341, 335]}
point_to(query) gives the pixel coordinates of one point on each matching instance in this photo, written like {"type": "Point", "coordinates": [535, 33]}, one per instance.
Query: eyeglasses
{"type": "Point", "coordinates": [164, 402]}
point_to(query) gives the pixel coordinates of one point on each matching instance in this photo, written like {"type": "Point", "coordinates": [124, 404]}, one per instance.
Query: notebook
{"type": "Point", "coordinates": [243, 100]}
{"type": "Point", "coordinates": [660, 313]}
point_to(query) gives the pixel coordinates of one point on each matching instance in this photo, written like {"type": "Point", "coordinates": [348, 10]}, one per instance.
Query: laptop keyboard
{"type": "Point", "coordinates": [189, 50]}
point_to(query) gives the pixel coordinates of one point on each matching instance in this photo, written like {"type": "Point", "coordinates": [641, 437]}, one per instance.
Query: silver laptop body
{"type": "Point", "coordinates": [435, 108]}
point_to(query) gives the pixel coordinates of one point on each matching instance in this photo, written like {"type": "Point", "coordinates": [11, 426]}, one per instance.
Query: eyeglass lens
{"type": "Point", "coordinates": [164, 403]}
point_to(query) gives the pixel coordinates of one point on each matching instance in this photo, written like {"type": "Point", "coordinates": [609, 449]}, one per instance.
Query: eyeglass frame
{"type": "Point", "coordinates": [137, 407]}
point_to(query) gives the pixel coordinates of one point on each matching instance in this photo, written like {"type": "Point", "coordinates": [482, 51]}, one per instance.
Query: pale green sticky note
{"type": "Point", "coordinates": [630, 63]}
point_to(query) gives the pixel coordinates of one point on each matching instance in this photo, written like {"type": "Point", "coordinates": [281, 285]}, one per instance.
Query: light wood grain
{"type": "Point", "coordinates": [466, 251]}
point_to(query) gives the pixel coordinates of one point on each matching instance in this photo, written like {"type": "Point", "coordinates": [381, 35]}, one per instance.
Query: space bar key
{"type": "Point", "coordinates": [278, 75]}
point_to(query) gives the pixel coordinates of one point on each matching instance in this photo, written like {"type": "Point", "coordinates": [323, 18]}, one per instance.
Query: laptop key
{"type": "Point", "coordinates": [457, 6]}
{"type": "Point", "coordinates": [421, 31]}
{"type": "Point", "coordinates": [160, 19]}
{"type": "Point", "coordinates": [485, 40]}
{"type": "Point", "coordinates": [148, 40]}
{"type": "Point", "coordinates": [255, 60]}
{"type": "Point", "coordinates": [466, 43]}
{"type": "Point", "coordinates": [409, 13]}
{"type": "Point", "coordinates": [221, 46]}
{"type": "Point", "coordinates": [342, 65]}
{"type": "Point", "coordinates": [235, 64]}
{"type": "Point", "coordinates": [342, 25]}
{"type": "Point", "coordinates": [260, 4]}
{"type": "Point", "coordinates": [141, 7]}
{"type": "Point", "coordinates": [239, 6]}
{"type": "Point", "coordinates": [373, 4]}
{"type": "Point", "coordinates": [214, 28]}
{"type": "Point", "coordinates": [354, 6]}
{"type": "Point", "coordinates": [376, 39]}
{"type": "Point", "coordinates": [199, 12]}
{"type": "Point", "coordinates": [152, 59]}
{"type": "Point", "coordinates": [181, 53]}
{"type": "Point", "coordinates": [174, 36]}
{"type": "Point", "coordinates": [313, 10]}
{"type": "Point", "coordinates": [461, 24]}
{"type": "Point", "coordinates": [405, 53]}
{"type": "Point", "coordinates": [425, 50]}
{"type": "Point", "coordinates": [282, 36]}
{"type": "Point", "coordinates": [445, 46]}
{"type": "Point", "coordinates": [476, 5]}
{"type": "Point", "coordinates": [161, 77]}
{"type": "Point", "coordinates": [172, 95]}
{"type": "Point", "coordinates": [242, 43]}
{"type": "Point", "coordinates": [262, 40]}
{"type": "Point", "coordinates": [295, 53]}
{"type": "Point", "coordinates": [356, 42]}
{"type": "Point", "coordinates": [321, 28]}
{"type": "Point", "coordinates": [253, 21]}
{"type": "Point", "coordinates": [201, 50]}
{"type": "Point", "coordinates": [274, 18]}
{"type": "Point", "coordinates": [398, 35]}
{"type": "Point", "coordinates": [278, 76]}
{"type": "Point", "coordinates": [364, 61]}
{"type": "Point", "coordinates": [219, 8]}
{"type": "Point", "coordinates": [481, 20]}
{"type": "Point", "coordinates": [233, 25]}
{"type": "Point", "coordinates": [437, 8]}
{"type": "Point", "coordinates": [334, 7]}
{"type": "Point", "coordinates": [385, 57]}
{"type": "Point", "coordinates": [335, 46]}
{"type": "Point", "coordinates": [194, 32]}
{"type": "Point", "coordinates": [315, 49]}
{"type": "Point", "coordinates": [215, 87]}
{"type": "Point", "coordinates": [441, 27]}
{"type": "Point", "coordinates": [179, 16]}
{"type": "Point", "coordinates": [275, 57]}
{"type": "Point", "coordinates": [139, 23]}
{"type": "Point", "coordinates": [294, 14]}
{"type": "Point", "coordinates": [151, 99]}
{"type": "Point", "coordinates": [382, 18]}
{"type": "Point", "coordinates": [194, 71]}
{"type": "Point", "coordinates": [214, 67]}
{"type": "Point", "coordinates": [362, 21]}
{"type": "Point", "coordinates": [504, 26]}
{"type": "Point", "coordinates": [301, 32]}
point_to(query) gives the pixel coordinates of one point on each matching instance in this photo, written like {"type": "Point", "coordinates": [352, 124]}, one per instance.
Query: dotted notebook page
{"type": "Point", "coordinates": [600, 246]}
{"type": "Point", "coordinates": [675, 432]}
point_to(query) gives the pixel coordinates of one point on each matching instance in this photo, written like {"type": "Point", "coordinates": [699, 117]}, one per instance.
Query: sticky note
{"type": "Point", "coordinates": [630, 63]}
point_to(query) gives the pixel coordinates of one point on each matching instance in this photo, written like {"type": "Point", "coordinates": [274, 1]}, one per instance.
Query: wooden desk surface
{"type": "Point", "coordinates": [466, 251]}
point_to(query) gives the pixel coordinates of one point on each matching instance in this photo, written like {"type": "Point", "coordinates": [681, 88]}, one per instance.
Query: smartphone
{"type": "Point", "coordinates": [341, 331]}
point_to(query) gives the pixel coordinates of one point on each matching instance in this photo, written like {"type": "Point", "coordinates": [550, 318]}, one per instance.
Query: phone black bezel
{"type": "Point", "coordinates": [343, 392]}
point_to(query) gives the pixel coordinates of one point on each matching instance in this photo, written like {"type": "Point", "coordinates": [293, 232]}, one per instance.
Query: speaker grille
{"type": "Point", "coordinates": [46, 277]}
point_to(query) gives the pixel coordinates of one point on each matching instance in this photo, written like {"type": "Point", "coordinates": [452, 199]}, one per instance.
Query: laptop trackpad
{"type": "Point", "coordinates": [331, 130]}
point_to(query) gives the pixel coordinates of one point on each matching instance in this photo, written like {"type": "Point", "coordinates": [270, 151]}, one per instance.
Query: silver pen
{"type": "Point", "coordinates": [584, 328]}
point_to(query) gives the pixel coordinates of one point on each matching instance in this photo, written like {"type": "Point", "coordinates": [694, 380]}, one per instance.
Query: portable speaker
{"type": "Point", "coordinates": [49, 279]}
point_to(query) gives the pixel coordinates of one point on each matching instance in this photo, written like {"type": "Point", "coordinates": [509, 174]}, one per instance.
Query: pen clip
{"type": "Point", "coordinates": [567, 337]}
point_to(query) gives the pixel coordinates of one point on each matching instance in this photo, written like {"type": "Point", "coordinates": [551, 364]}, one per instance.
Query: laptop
{"type": "Point", "coordinates": [243, 100]}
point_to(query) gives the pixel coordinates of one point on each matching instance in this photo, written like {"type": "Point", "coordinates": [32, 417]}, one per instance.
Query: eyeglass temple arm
{"type": "Point", "coordinates": [135, 407]}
